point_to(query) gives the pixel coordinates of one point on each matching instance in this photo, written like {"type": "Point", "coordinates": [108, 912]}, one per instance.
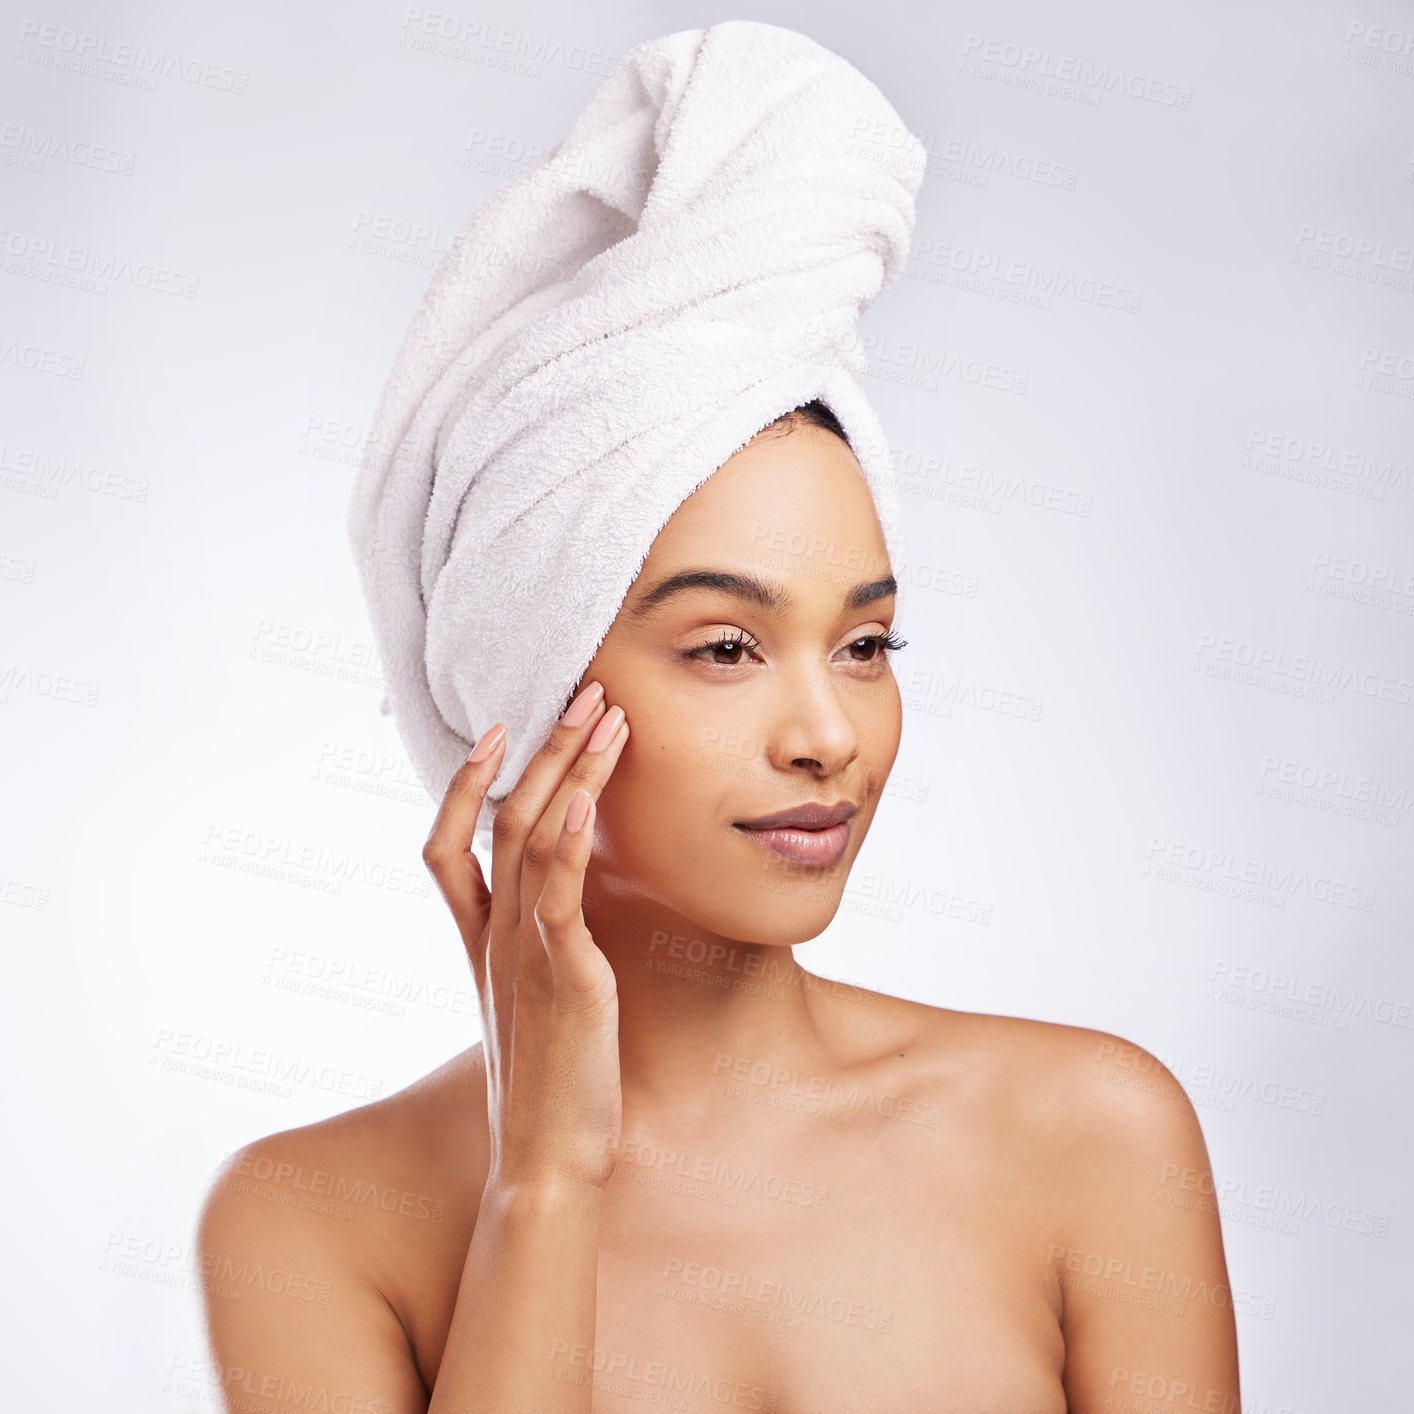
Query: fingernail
{"type": "Point", "coordinates": [488, 743]}
{"type": "Point", "coordinates": [577, 713]}
{"type": "Point", "coordinates": [578, 812]}
{"type": "Point", "coordinates": [607, 730]}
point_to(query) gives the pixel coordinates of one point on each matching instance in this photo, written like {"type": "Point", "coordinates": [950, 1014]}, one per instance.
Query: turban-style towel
{"type": "Point", "coordinates": [608, 328]}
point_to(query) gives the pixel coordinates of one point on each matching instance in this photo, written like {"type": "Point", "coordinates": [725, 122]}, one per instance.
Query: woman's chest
{"type": "Point", "coordinates": [903, 1283]}
{"type": "Point", "coordinates": [879, 1300]}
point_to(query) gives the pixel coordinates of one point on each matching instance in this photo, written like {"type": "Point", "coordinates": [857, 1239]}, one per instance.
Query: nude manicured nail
{"type": "Point", "coordinates": [578, 812]}
{"type": "Point", "coordinates": [607, 730]}
{"type": "Point", "coordinates": [577, 713]}
{"type": "Point", "coordinates": [488, 743]}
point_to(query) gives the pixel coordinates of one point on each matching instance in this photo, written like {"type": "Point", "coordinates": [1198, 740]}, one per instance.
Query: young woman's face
{"type": "Point", "coordinates": [740, 709]}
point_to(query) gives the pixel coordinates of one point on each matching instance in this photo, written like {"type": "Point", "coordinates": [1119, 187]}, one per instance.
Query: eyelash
{"type": "Point", "coordinates": [888, 643]}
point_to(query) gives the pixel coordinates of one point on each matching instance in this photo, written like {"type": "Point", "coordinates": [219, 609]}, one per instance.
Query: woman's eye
{"type": "Point", "coordinates": [734, 649]}
{"type": "Point", "coordinates": [875, 645]}
{"type": "Point", "coordinates": [731, 652]}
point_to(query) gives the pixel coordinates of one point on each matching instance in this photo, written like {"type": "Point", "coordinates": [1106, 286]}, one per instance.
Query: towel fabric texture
{"type": "Point", "coordinates": [687, 265]}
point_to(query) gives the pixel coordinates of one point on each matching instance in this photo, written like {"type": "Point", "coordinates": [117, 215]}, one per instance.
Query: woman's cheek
{"type": "Point", "coordinates": [640, 800]}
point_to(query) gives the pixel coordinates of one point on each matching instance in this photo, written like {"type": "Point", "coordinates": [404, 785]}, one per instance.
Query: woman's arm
{"type": "Point", "coordinates": [525, 1308]}
{"type": "Point", "coordinates": [289, 1313]}
{"type": "Point", "coordinates": [1147, 1311]}
{"type": "Point", "coordinates": [292, 1309]}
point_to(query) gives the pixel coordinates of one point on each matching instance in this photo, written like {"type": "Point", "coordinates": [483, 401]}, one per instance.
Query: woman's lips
{"type": "Point", "coordinates": [800, 846]}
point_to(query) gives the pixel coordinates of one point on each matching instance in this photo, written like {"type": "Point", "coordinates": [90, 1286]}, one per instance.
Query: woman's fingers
{"type": "Point", "coordinates": [447, 852]}
{"type": "Point", "coordinates": [590, 772]}
{"type": "Point", "coordinates": [579, 970]}
{"type": "Point", "coordinates": [522, 808]}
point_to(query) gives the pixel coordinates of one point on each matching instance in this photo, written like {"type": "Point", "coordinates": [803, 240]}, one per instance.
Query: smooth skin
{"type": "Point", "coordinates": [680, 1169]}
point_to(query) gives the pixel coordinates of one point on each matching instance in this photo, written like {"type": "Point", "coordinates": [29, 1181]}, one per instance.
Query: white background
{"type": "Point", "coordinates": [1216, 475]}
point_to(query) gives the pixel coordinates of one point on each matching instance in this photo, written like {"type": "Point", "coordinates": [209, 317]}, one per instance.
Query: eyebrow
{"type": "Point", "coordinates": [765, 593]}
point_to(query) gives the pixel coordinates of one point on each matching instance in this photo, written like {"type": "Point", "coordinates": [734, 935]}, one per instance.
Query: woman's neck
{"type": "Point", "coordinates": [695, 1009]}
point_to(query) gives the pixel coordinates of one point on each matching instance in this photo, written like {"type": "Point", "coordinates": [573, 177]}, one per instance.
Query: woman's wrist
{"type": "Point", "coordinates": [557, 1194]}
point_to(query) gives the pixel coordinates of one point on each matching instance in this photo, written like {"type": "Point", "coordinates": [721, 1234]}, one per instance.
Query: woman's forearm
{"type": "Point", "coordinates": [523, 1328]}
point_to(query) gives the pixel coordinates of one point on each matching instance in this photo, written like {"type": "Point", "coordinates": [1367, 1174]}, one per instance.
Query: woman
{"type": "Point", "coordinates": [679, 1169]}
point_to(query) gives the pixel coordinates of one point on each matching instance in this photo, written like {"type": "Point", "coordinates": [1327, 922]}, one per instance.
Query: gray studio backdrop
{"type": "Point", "coordinates": [1150, 377]}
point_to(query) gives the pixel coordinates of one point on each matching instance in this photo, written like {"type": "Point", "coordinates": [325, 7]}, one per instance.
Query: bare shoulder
{"type": "Point", "coordinates": [1103, 1150]}
{"type": "Point", "coordinates": [1099, 1107]}
{"type": "Point", "coordinates": [308, 1238]}
{"type": "Point", "coordinates": [356, 1169]}
{"type": "Point", "coordinates": [399, 1139]}
{"type": "Point", "coordinates": [1082, 1076]}
{"type": "Point", "coordinates": [1111, 1111]}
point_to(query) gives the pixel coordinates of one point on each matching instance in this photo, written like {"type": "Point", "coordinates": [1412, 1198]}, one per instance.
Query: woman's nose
{"type": "Point", "coordinates": [811, 728]}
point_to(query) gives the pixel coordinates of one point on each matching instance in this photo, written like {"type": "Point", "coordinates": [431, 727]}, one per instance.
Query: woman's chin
{"type": "Point", "coordinates": [778, 917]}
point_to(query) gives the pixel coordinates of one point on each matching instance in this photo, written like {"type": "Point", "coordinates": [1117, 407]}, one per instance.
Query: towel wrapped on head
{"type": "Point", "coordinates": [609, 328]}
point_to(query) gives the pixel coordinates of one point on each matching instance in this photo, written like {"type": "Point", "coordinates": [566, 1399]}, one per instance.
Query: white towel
{"type": "Point", "coordinates": [608, 328]}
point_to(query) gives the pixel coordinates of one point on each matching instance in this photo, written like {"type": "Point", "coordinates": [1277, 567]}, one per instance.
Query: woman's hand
{"type": "Point", "coordinates": [548, 997]}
